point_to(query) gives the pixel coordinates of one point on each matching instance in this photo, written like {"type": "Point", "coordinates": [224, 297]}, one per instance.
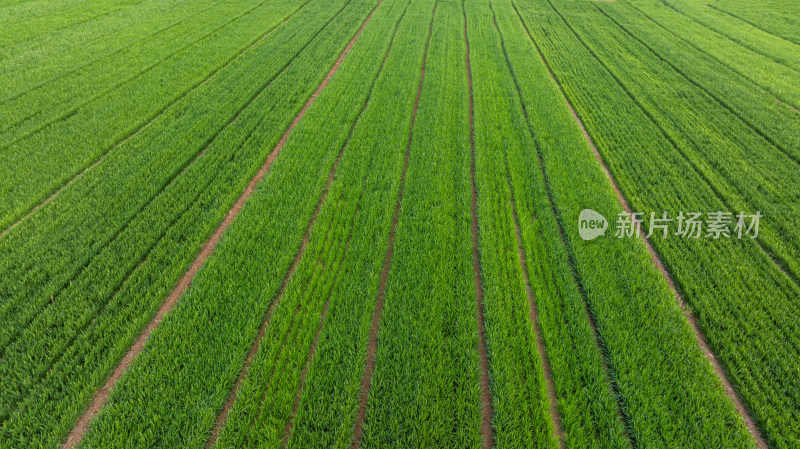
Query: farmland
{"type": "Point", "coordinates": [362, 224]}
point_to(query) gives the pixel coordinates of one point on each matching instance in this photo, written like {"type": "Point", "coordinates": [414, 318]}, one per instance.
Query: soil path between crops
{"type": "Point", "coordinates": [534, 312]}
{"type": "Point", "coordinates": [487, 432]}
{"type": "Point", "coordinates": [221, 418]}
{"type": "Point", "coordinates": [690, 317]}
{"type": "Point", "coordinates": [101, 396]}
{"type": "Point", "coordinates": [372, 346]}
{"type": "Point", "coordinates": [534, 318]}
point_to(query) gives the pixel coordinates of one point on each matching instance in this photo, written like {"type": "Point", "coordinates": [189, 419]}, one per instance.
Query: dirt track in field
{"type": "Point", "coordinates": [273, 155]}
{"type": "Point", "coordinates": [101, 396]}
{"type": "Point", "coordinates": [534, 312]}
{"type": "Point", "coordinates": [372, 347]}
{"type": "Point", "coordinates": [690, 318]}
{"type": "Point", "coordinates": [487, 432]}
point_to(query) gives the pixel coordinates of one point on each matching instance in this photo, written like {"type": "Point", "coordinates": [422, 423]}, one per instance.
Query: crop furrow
{"type": "Point", "coordinates": [779, 263]}
{"type": "Point", "coordinates": [20, 328]}
{"type": "Point", "coordinates": [745, 73]}
{"type": "Point", "coordinates": [487, 432]}
{"type": "Point", "coordinates": [702, 268]}
{"type": "Point", "coordinates": [212, 170]}
{"type": "Point", "coordinates": [555, 416]}
{"type": "Point", "coordinates": [221, 418]}
{"type": "Point", "coordinates": [700, 337]}
{"type": "Point", "coordinates": [610, 372]}
{"type": "Point", "coordinates": [71, 25]}
{"type": "Point", "coordinates": [746, 121]}
{"type": "Point", "coordinates": [252, 98]}
{"type": "Point", "coordinates": [99, 309]}
{"type": "Point", "coordinates": [89, 63]}
{"type": "Point", "coordinates": [730, 38]}
{"type": "Point", "coordinates": [369, 368]}
{"type": "Point", "coordinates": [751, 23]}
{"type": "Point", "coordinates": [287, 430]}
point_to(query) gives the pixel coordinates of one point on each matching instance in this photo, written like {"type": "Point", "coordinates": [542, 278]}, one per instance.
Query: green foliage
{"type": "Point", "coordinates": [147, 119]}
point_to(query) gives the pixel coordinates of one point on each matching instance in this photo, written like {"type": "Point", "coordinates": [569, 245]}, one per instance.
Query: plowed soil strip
{"type": "Point", "coordinates": [534, 312]}
{"type": "Point", "coordinates": [147, 124]}
{"type": "Point", "coordinates": [487, 432]}
{"type": "Point", "coordinates": [692, 320]}
{"type": "Point", "coordinates": [372, 347]}
{"type": "Point", "coordinates": [102, 395]}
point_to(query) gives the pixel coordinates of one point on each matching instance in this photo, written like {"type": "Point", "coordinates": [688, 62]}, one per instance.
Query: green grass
{"type": "Point", "coordinates": [146, 119]}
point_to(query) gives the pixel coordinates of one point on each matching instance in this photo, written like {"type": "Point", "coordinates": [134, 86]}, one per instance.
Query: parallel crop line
{"type": "Point", "coordinates": [735, 16]}
{"type": "Point", "coordinates": [609, 367]}
{"type": "Point", "coordinates": [691, 319]}
{"type": "Point", "coordinates": [487, 412]}
{"type": "Point", "coordinates": [776, 261]}
{"type": "Point", "coordinates": [152, 119]}
{"type": "Point", "coordinates": [372, 347]}
{"type": "Point", "coordinates": [172, 178]}
{"type": "Point", "coordinates": [712, 56]}
{"type": "Point", "coordinates": [534, 313]}
{"type": "Point", "coordinates": [101, 397]}
{"type": "Point", "coordinates": [755, 50]}
{"type": "Point", "coordinates": [287, 430]}
{"type": "Point", "coordinates": [222, 417]}
{"type": "Point", "coordinates": [555, 416]}
{"type": "Point", "coordinates": [691, 80]}
{"type": "Point", "coordinates": [142, 260]}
